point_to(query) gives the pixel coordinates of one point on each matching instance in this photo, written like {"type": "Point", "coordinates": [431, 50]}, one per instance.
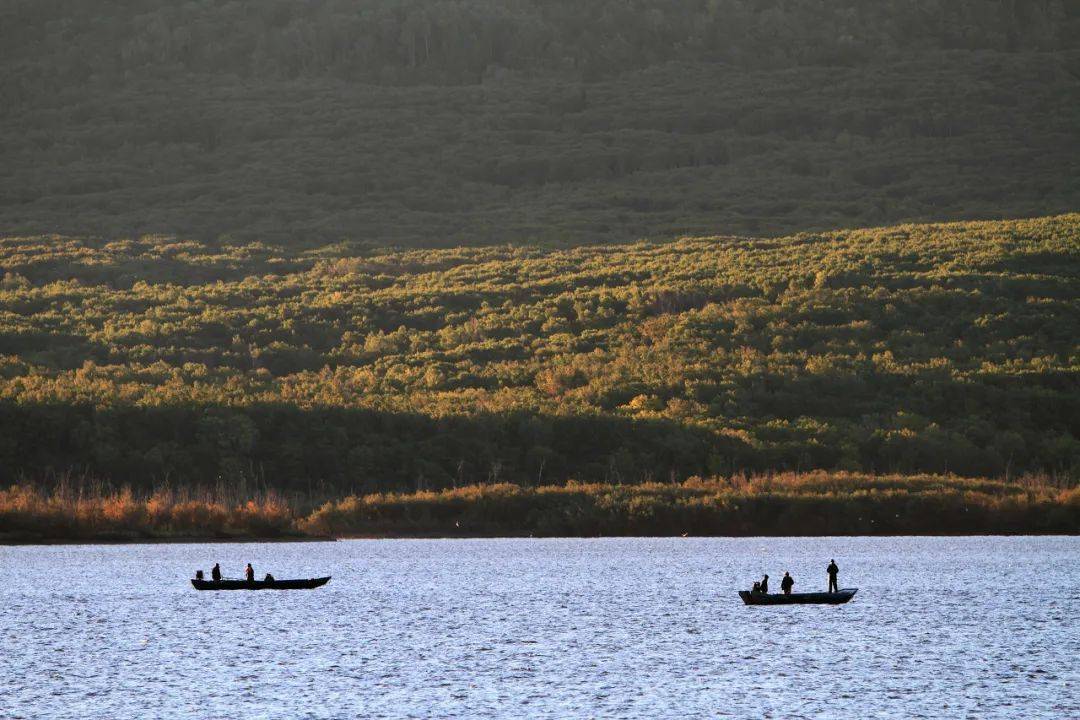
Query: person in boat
{"type": "Point", "coordinates": [756, 589]}
{"type": "Point", "coordinates": [833, 571]}
{"type": "Point", "coordinates": [249, 573]}
{"type": "Point", "coordinates": [269, 578]}
{"type": "Point", "coordinates": [787, 583]}
{"type": "Point", "coordinates": [215, 573]}
{"type": "Point", "coordinates": [765, 585]}
{"type": "Point", "coordinates": [198, 575]}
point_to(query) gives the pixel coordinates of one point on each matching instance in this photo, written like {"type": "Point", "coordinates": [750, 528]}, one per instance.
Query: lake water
{"type": "Point", "coordinates": [522, 628]}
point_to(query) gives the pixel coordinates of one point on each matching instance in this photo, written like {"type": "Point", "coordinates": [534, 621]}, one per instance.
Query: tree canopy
{"type": "Point", "coordinates": [929, 348]}
{"type": "Point", "coordinates": [462, 122]}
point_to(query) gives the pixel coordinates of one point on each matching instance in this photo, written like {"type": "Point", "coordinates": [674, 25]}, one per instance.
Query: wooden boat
{"type": "Point", "coordinates": [260, 584]}
{"type": "Point", "coordinates": [818, 598]}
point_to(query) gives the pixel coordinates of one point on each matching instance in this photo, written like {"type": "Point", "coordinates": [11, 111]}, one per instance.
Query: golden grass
{"type": "Point", "coordinates": [65, 513]}
{"type": "Point", "coordinates": [797, 504]}
{"type": "Point", "coordinates": [781, 504]}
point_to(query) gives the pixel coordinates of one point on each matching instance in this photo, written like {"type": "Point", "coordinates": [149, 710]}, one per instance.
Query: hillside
{"type": "Point", "coordinates": [470, 122]}
{"type": "Point", "coordinates": [916, 348]}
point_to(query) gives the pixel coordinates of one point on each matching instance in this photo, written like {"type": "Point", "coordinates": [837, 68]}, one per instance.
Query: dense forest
{"type": "Point", "coordinates": [472, 122]}
{"type": "Point", "coordinates": [945, 348]}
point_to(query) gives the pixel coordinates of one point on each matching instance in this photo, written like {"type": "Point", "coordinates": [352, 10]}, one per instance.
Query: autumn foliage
{"type": "Point", "coordinates": [908, 349]}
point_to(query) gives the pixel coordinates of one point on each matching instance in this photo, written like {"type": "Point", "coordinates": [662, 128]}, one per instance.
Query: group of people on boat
{"type": "Point", "coordinates": [215, 574]}
{"type": "Point", "coordinates": [788, 582]}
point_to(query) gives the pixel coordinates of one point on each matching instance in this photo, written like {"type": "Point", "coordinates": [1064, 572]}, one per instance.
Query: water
{"type": "Point", "coordinates": [609, 628]}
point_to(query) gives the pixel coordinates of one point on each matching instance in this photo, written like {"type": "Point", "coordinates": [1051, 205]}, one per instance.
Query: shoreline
{"type": "Point", "coordinates": [185, 540]}
{"type": "Point", "coordinates": [818, 504]}
{"type": "Point", "coordinates": [206, 540]}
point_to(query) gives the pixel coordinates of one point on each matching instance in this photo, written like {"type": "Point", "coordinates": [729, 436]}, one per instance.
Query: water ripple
{"type": "Point", "coordinates": [619, 628]}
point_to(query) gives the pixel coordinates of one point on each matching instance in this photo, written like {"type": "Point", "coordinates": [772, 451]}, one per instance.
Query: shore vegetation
{"type": "Point", "coordinates": [816, 503]}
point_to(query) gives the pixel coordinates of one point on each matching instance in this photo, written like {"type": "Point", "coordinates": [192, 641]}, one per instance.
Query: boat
{"type": "Point", "coordinates": [819, 598]}
{"type": "Point", "coordinates": [260, 584]}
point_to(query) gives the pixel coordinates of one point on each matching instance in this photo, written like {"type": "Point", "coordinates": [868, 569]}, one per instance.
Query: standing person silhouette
{"type": "Point", "coordinates": [250, 573]}
{"type": "Point", "coordinates": [765, 584]}
{"type": "Point", "coordinates": [833, 572]}
{"type": "Point", "coordinates": [786, 583]}
{"type": "Point", "coordinates": [215, 574]}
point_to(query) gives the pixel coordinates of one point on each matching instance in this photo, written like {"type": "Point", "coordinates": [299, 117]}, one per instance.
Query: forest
{"type": "Point", "coordinates": [442, 123]}
{"type": "Point", "coordinates": [255, 367]}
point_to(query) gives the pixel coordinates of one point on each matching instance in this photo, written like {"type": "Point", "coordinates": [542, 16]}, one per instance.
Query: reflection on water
{"type": "Point", "coordinates": [620, 628]}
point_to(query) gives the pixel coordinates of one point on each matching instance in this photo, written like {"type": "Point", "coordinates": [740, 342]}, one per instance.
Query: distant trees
{"type": "Point", "coordinates": [945, 349]}
{"type": "Point", "coordinates": [462, 122]}
{"type": "Point", "coordinates": [462, 41]}
{"type": "Point", "coordinates": [459, 41]}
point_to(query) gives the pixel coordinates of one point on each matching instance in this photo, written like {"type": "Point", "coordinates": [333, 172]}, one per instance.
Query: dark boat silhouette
{"type": "Point", "coordinates": [260, 584]}
{"type": "Point", "coordinates": [819, 598]}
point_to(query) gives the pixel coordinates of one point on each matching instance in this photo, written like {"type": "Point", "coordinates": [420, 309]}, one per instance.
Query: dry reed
{"type": "Point", "coordinates": [779, 504]}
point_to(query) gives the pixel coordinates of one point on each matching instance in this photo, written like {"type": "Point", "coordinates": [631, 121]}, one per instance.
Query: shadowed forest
{"type": "Point", "coordinates": [470, 122]}
{"type": "Point", "coordinates": [919, 348]}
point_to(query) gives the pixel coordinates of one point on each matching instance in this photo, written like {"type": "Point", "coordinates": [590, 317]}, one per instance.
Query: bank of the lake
{"type": "Point", "coordinates": [135, 538]}
{"type": "Point", "coordinates": [809, 504]}
{"type": "Point", "coordinates": [77, 512]}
